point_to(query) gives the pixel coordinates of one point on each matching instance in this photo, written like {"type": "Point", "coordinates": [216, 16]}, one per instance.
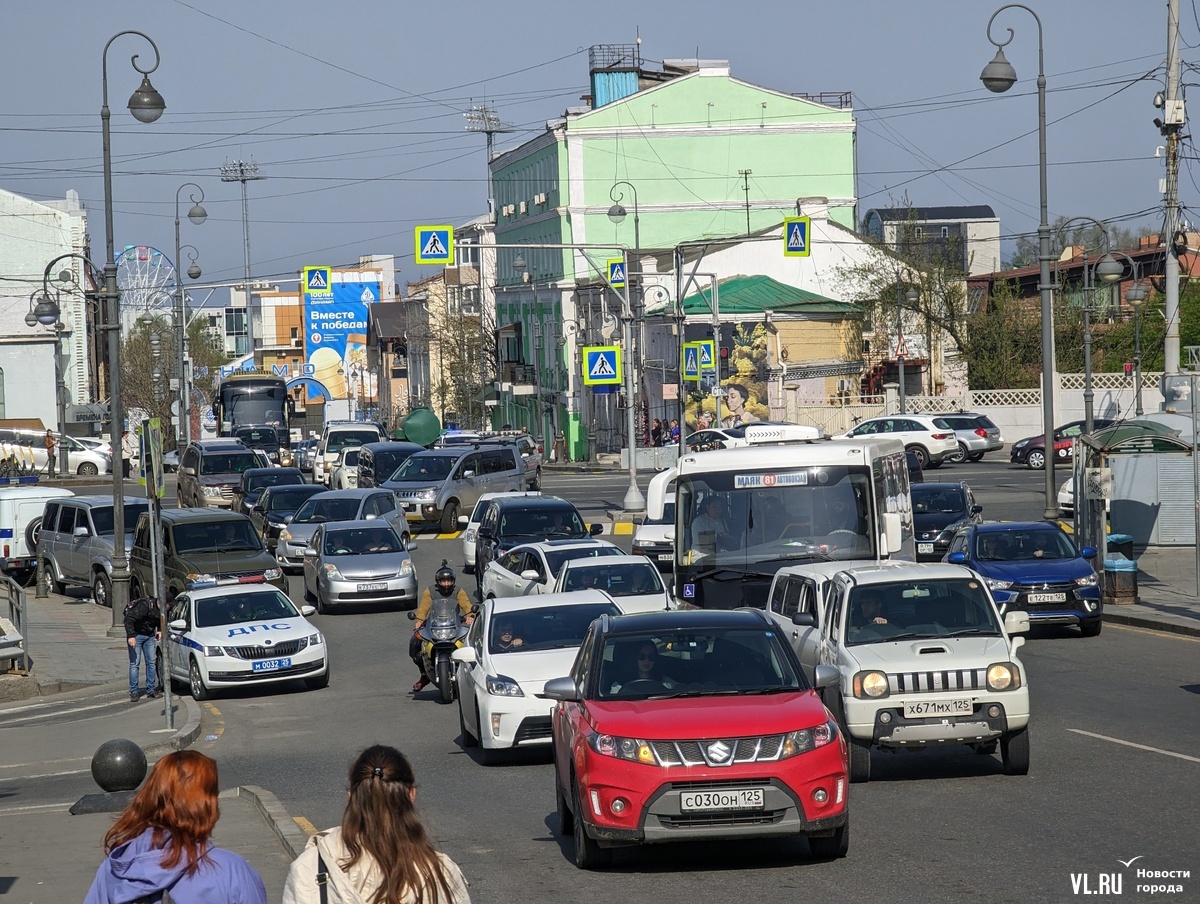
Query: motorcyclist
{"type": "Point", "coordinates": [444, 585]}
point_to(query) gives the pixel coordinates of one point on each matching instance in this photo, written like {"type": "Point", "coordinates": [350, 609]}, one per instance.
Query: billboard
{"type": "Point", "coordinates": [335, 318]}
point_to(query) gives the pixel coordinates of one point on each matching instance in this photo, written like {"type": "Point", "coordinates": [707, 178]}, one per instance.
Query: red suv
{"type": "Point", "coordinates": [694, 725]}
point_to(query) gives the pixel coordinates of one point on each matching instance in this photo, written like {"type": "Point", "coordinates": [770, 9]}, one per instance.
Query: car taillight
{"type": "Point", "coordinates": [979, 431]}
{"type": "Point", "coordinates": [943, 436]}
{"type": "Point", "coordinates": [539, 448]}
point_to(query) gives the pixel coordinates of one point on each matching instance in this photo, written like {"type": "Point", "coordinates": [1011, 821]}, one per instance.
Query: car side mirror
{"type": "Point", "coordinates": [468, 474]}
{"type": "Point", "coordinates": [370, 517]}
{"type": "Point", "coordinates": [564, 689]}
{"type": "Point", "coordinates": [257, 508]}
{"type": "Point", "coordinates": [188, 471]}
{"type": "Point", "coordinates": [485, 533]}
{"type": "Point", "coordinates": [529, 575]}
{"type": "Point", "coordinates": [596, 530]}
{"type": "Point", "coordinates": [891, 531]}
{"type": "Point", "coordinates": [804, 620]}
{"type": "Point", "coordinates": [1088, 552]}
{"type": "Point", "coordinates": [1016, 622]}
{"type": "Point", "coordinates": [957, 558]}
{"type": "Point", "coordinates": [308, 551]}
{"type": "Point", "coordinates": [178, 625]}
{"type": "Point", "coordinates": [306, 611]}
{"type": "Point", "coordinates": [81, 531]}
{"type": "Point", "coordinates": [287, 519]}
{"type": "Point", "coordinates": [464, 520]}
{"type": "Point", "coordinates": [463, 654]}
{"type": "Point", "coordinates": [976, 509]}
{"type": "Point", "coordinates": [826, 676]}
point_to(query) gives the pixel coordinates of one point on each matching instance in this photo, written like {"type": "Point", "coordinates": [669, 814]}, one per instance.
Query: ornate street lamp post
{"type": "Point", "coordinates": [197, 215]}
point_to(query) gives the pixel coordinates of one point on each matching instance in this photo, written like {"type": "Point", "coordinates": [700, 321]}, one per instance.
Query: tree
{"type": "Point", "coordinates": [1080, 233]}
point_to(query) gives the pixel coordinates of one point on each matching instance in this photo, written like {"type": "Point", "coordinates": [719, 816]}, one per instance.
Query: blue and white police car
{"type": "Point", "coordinates": [234, 633]}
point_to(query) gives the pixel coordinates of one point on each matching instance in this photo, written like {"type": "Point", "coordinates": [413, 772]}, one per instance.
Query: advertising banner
{"type": "Point", "coordinates": [335, 317]}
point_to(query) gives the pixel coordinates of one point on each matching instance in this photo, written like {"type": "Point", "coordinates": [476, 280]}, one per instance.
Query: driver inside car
{"type": "Point", "coordinates": [642, 665]}
{"type": "Point", "coordinates": [708, 528]}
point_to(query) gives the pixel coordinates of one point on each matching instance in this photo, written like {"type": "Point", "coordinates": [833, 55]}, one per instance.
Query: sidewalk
{"type": "Point", "coordinates": [1166, 593]}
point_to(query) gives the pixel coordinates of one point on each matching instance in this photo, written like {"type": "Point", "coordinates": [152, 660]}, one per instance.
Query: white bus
{"type": "Point", "coordinates": [788, 497]}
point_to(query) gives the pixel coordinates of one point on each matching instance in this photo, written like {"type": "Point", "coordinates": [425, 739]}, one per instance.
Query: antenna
{"type": "Point", "coordinates": [482, 118]}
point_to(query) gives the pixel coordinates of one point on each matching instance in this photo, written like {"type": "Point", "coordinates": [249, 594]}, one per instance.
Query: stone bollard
{"type": "Point", "coordinates": [118, 766]}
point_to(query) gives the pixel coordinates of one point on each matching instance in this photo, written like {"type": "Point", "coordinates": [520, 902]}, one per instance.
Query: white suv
{"type": "Point", "coordinates": [924, 659]}
{"type": "Point", "coordinates": [929, 438]}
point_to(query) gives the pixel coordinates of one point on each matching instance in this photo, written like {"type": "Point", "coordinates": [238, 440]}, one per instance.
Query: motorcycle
{"type": "Point", "coordinates": [444, 632]}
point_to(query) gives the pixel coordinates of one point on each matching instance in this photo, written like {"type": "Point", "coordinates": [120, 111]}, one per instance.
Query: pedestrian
{"type": "Point", "coordinates": [143, 620]}
{"type": "Point", "coordinates": [656, 433]}
{"type": "Point", "coordinates": [159, 849]}
{"type": "Point", "coordinates": [126, 453]}
{"type": "Point", "coordinates": [51, 446]}
{"type": "Point", "coordinates": [381, 853]}
{"type": "Point", "coordinates": [674, 430]}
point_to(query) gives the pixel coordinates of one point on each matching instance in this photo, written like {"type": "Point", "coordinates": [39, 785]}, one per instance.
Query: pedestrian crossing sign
{"type": "Point", "coordinates": [691, 361]}
{"type": "Point", "coordinates": [435, 245]}
{"type": "Point", "coordinates": [616, 273]}
{"type": "Point", "coordinates": [602, 365]}
{"type": "Point", "coordinates": [797, 236]}
{"type": "Point", "coordinates": [708, 354]}
{"type": "Point", "coordinates": [317, 281]}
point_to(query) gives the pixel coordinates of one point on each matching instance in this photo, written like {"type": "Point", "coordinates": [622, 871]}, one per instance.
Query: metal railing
{"type": "Point", "coordinates": [16, 614]}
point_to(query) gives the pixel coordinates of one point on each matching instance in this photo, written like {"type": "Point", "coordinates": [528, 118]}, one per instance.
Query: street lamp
{"type": "Point", "coordinates": [911, 296]}
{"type": "Point", "coordinates": [197, 215]}
{"type": "Point", "coordinates": [46, 312]}
{"type": "Point", "coordinates": [998, 76]}
{"type": "Point", "coordinates": [520, 265]}
{"type": "Point", "coordinates": [146, 105]}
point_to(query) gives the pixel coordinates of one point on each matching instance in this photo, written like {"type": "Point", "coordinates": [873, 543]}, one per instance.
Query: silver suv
{"type": "Point", "coordinates": [210, 469]}
{"type": "Point", "coordinates": [77, 545]}
{"type": "Point", "coordinates": [432, 487]}
{"type": "Point", "coordinates": [976, 435]}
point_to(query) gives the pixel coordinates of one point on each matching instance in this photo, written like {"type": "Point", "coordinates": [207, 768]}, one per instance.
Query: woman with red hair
{"type": "Point", "coordinates": [161, 843]}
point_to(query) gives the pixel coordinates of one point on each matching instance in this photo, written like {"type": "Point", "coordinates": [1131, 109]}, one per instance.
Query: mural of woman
{"type": "Point", "coordinates": [736, 397]}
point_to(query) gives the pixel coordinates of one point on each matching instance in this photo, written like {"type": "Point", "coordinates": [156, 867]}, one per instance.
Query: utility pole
{"type": "Point", "coordinates": [745, 174]}
{"type": "Point", "coordinates": [243, 173]}
{"type": "Point", "coordinates": [1171, 124]}
{"type": "Point", "coordinates": [482, 118]}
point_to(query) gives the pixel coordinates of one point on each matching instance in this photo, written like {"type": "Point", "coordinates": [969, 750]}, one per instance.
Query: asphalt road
{"type": "Point", "coordinates": [1116, 764]}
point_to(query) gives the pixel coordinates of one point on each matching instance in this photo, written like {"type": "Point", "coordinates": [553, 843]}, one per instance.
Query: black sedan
{"type": "Point", "coordinates": [939, 510]}
{"type": "Point", "coordinates": [277, 506]}
{"type": "Point", "coordinates": [1031, 451]}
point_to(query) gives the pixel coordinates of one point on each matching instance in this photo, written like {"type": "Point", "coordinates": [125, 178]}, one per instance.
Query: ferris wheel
{"type": "Point", "coordinates": [146, 278]}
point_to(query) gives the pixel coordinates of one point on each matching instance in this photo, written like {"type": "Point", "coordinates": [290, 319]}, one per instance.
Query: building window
{"type": "Point", "coordinates": [945, 232]}
{"type": "Point", "coordinates": [919, 232]}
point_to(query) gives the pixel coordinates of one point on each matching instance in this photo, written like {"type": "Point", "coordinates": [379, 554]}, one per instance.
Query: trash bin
{"type": "Point", "coordinates": [1120, 580]}
{"type": "Point", "coordinates": [1121, 543]}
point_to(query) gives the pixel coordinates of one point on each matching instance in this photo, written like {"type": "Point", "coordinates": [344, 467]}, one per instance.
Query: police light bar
{"type": "Point", "coordinates": [781, 433]}
{"type": "Point", "coordinates": [199, 581]}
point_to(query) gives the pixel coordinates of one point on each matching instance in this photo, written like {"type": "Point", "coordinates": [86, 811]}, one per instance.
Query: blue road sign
{"type": "Point", "coordinates": [602, 365]}
{"type": "Point", "coordinates": [708, 354]}
{"type": "Point", "coordinates": [797, 234]}
{"type": "Point", "coordinates": [616, 273]}
{"type": "Point", "coordinates": [691, 360]}
{"type": "Point", "coordinates": [435, 245]}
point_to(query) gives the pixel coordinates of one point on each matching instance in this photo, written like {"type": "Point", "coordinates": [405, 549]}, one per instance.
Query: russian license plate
{"type": "Point", "coordinates": [738, 799]}
{"type": "Point", "coordinates": [363, 588]}
{"type": "Point", "coordinates": [665, 556]}
{"type": "Point", "coordinates": [409, 506]}
{"type": "Point", "coordinates": [1047, 597]}
{"type": "Point", "coordinates": [270, 665]}
{"type": "Point", "coordinates": [924, 709]}
{"type": "Point", "coordinates": [925, 548]}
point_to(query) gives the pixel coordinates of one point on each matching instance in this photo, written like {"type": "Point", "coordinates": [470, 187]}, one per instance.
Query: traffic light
{"type": "Point", "coordinates": [724, 371]}
{"type": "Point", "coordinates": [1128, 369]}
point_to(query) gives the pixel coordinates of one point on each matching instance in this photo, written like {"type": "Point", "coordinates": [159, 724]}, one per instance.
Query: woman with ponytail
{"type": "Point", "coordinates": [381, 853]}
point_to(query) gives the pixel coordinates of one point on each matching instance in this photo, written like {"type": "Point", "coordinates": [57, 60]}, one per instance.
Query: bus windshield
{"type": "Point", "coordinates": [251, 400]}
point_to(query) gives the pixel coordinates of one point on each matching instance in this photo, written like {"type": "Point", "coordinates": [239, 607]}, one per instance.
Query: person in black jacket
{"type": "Point", "coordinates": [143, 620]}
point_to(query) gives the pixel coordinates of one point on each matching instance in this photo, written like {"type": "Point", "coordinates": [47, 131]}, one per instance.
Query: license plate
{"type": "Point", "coordinates": [739, 799]}
{"type": "Point", "coordinates": [1047, 597]}
{"type": "Point", "coordinates": [362, 588]}
{"type": "Point", "coordinates": [923, 709]}
{"type": "Point", "coordinates": [925, 548]}
{"type": "Point", "coordinates": [665, 556]}
{"type": "Point", "coordinates": [409, 506]}
{"type": "Point", "coordinates": [270, 665]}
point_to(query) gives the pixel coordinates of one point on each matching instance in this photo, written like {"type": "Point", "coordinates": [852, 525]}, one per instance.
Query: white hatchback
{"type": "Point", "coordinates": [931, 439]}
{"type": "Point", "coordinates": [532, 567]}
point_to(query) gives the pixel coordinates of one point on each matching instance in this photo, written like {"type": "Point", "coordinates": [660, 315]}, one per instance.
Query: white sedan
{"type": "Point", "coordinates": [532, 567]}
{"type": "Point", "coordinates": [633, 582]}
{"type": "Point", "coordinates": [515, 646]}
{"type": "Point", "coordinates": [233, 633]}
{"type": "Point", "coordinates": [1066, 496]}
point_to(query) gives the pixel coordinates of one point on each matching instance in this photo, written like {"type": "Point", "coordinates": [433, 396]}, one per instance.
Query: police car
{"type": "Point", "coordinates": [234, 633]}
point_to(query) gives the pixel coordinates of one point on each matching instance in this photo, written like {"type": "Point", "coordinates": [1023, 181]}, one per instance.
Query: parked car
{"type": "Point", "coordinates": [509, 522]}
{"type": "Point", "coordinates": [1034, 567]}
{"type": "Point", "coordinates": [277, 506]}
{"type": "Point", "coordinates": [211, 469]}
{"type": "Point", "coordinates": [343, 475]}
{"type": "Point", "coordinates": [77, 542]}
{"type": "Point", "coordinates": [532, 568]}
{"type": "Point", "coordinates": [337, 436]}
{"type": "Point", "coordinates": [654, 537]}
{"type": "Point", "coordinates": [631, 581]}
{"type": "Point", "coordinates": [257, 480]}
{"type": "Point", "coordinates": [29, 445]}
{"type": "Point", "coordinates": [378, 461]}
{"type": "Point", "coordinates": [716, 438]}
{"type": "Point", "coordinates": [200, 545]}
{"type": "Point", "coordinates": [929, 438]}
{"type": "Point", "coordinates": [21, 510]}
{"type": "Point", "coordinates": [171, 461]}
{"type": "Point", "coordinates": [976, 435]}
{"type": "Point", "coordinates": [358, 562]}
{"type": "Point", "coordinates": [694, 724]}
{"type": "Point", "coordinates": [433, 486]}
{"type": "Point", "coordinates": [1031, 451]}
{"type": "Point", "coordinates": [469, 524]}
{"type": "Point", "coordinates": [95, 444]}
{"type": "Point", "coordinates": [939, 511]}
{"type": "Point", "coordinates": [514, 647]}
{"type": "Point", "coordinates": [335, 505]}
{"type": "Point", "coordinates": [238, 634]}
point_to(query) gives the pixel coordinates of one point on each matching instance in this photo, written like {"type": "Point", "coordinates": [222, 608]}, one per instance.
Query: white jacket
{"type": "Point", "coordinates": [359, 884]}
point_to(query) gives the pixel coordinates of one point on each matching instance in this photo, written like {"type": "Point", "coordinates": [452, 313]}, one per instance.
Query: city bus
{"type": "Point", "coordinates": [248, 398]}
{"type": "Point", "coordinates": [789, 497]}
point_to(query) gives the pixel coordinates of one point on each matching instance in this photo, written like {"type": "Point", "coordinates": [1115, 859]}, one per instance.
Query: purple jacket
{"type": "Point", "coordinates": [134, 870]}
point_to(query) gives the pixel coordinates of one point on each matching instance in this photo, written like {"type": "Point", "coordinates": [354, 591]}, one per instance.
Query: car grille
{"type": "Point", "coordinates": [696, 753]}
{"type": "Point", "coordinates": [287, 648]}
{"type": "Point", "coordinates": [703, 820]}
{"type": "Point", "coordinates": [302, 669]}
{"type": "Point", "coordinates": [936, 682]}
{"type": "Point", "coordinates": [535, 728]}
{"type": "Point", "coordinates": [237, 575]}
{"type": "Point", "coordinates": [1023, 605]}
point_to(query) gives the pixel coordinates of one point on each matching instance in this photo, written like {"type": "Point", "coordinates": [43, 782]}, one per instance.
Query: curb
{"type": "Point", "coordinates": [1151, 624]}
{"type": "Point", "coordinates": [183, 738]}
{"type": "Point", "coordinates": [290, 835]}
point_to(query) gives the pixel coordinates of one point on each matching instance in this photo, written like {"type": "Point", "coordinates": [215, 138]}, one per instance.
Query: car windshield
{"type": "Point", "coordinates": [929, 498]}
{"type": "Point", "coordinates": [617, 579]}
{"type": "Point", "coordinates": [273, 478]}
{"type": "Point", "coordinates": [288, 500]}
{"type": "Point", "coordinates": [547, 628]}
{"type": "Point", "coordinates": [340, 439]}
{"type": "Point", "coordinates": [229, 463]}
{"type": "Point", "coordinates": [695, 663]}
{"type": "Point", "coordinates": [102, 518]}
{"type": "Point", "coordinates": [236, 608]}
{"type": "Point", "coordinates": [903, 610]}
{"type": "Point", "coordinates": [1015, 545]}
{"type": "Point", "coordinates": [317, 509]}
{"type": "Point", "coordinates": [388, 462]}
{"type": "Point", "coordinates": [361, 541]}
{"type": "Point", "coordinates": [216, 536]}
{"type": "Point", "coordinates": [542, 522]}
{"type": "Point", "coordinates": [259, 437]}
{"type": "Point", "coordinates": [426, 467]}
{"type": "Point", "coordinates": [556, 557]}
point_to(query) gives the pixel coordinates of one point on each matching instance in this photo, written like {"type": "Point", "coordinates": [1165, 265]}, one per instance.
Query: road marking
{"type": "Point", "coordinates": [56, 774]}
{"type": "Point", "coordinates": [1156, 632]}
{"type": "Point", "coordinates": [212, 709]}
{"type": "Point", "coordinates": [73, 759]}
{"type": "Point", "coordinates": [1181, 756]}
{"type": "Point", "coordinates": [307, 827]}
{"type": "Point", "coordinates": [34, 807]}
{"type": "Point", "coordinates": [8, 723]}
{"type": "Point", "coordinates": [623, 527]}
{"type": "Point", "coordinates": [453, 535]}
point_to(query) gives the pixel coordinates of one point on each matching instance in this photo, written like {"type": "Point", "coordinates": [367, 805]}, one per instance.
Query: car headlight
{"type": "Point", "coordinates": [406, 569]}
{"type": "Point", "coordinates": [631, 749]}
{"type": "Point", "coordinates": [1021, 444]}
{"type": "Point", "coordinates": [196, 578]}
{"type": "Point", "coordinates": [212, 491]}
{"type": "Point", "coordinates": [284, 533]}
{"type": "Point", "coordinates": [426, 495]}
{"type": "Point", "coordinates": [1088, 580]}
{"type": "Point", "coordinates": [331, 572]}
{"type": "Point", "coordinates": [276, 525]}
{"type": "Point", "coordinates": [638, 544]}
{"type": "Point", "coordinates": [997, 584]}
{"type": "Point", "coordinates": [806, 739]}
{"type": "Point", "coordinates": [872, 685]}
{"type": "Point", "coordinates": [315, 640]}
{"type": "Point", "coordinates": [273, 574]}
{"type": "Point", "coordinates": [213, 651]}
{"type": "Point", "coordinates": [469, 536]}
{"type": "Point", "coordinates": [499, 686]}
{"type": "Point", "coordinates": [1003, 676]}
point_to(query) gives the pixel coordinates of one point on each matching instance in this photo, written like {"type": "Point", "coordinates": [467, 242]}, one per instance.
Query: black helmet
{"type": "Point", "coordinates": [445, 578]}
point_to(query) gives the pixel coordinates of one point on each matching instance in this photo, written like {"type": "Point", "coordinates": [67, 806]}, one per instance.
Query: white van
{"type": "Point", "coordinates": [339, 435]}
{"type": "Point", "coordinates": [20, 522]}
{"type": "Point", "coordinates": [30, 445]}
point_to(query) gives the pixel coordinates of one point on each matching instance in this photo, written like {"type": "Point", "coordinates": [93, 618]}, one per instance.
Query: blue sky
{"type": "Point", "coordinates": [353, 111]}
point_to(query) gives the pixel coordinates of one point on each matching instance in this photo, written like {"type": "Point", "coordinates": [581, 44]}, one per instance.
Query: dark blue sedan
{"type": "Point", "coordinates": [1034, 567]}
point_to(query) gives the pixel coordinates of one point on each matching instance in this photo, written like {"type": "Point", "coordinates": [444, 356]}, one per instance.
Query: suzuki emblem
{"type": "Point", "coordinates": [719, 751]}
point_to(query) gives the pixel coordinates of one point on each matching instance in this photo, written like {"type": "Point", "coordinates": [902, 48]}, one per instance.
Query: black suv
{"type": "Point", "coordinates": [256, 480]}
{"type": "Point", "coordinates": [510, 521]}
{"type": "Point", "coordinates": [200, 545]}
{"type": "Point", "coordinates": [378, 461]}
{"type": "Point", "coordinates": [940, 510]}
{"type": "Point", "coordinates": [209, 470]}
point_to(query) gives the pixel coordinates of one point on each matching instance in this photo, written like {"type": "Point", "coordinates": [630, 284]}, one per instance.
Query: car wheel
{"type": "Point", "coordinates": [445, 688]}
{"type": "Point", "coordinates": [1036, 460]}
{"type": "Point", "coordinates": [468, 739]}
{"type": "Point", "coordinates": [33, 530]}
{"type": "Point", "coordinates": [308, 594]}
{"type": "Point", "coordinates": [566, 821]}
{"type": "Point", "coordinates": [315, 684]}
{"type": "Point", "coordinates": [1014, 752]}
{"type": "Point", "coordinates": [537, 480]}
{"type": "Point", "coordinates": [102, 589]}
{"type": "Point", "coordinates": [88, 469]}
{"type": "Point", "coordinates": [588, 854]}
{"type": "Point", "coordinates": [1091, 628]}
{"type": "Point", "coordinates": [975, 456]}
{"type": "Point", "coordinates": [832, 847]}
{"type": "Point", "coordinates": [53, 584]}
{"type": "Point", "coordinates": [135, 589]}
{"type": "Point", "coordinates": [860, 760]}
{"type": "Point", "coordinates": [487, 756]}
{"type": "Point", "coordinates": [196, 683]}
{"type": "Point", "coordinates": [958, 456]}
{"type": "Point", "coordinates": [450, 518]}
{"type": "Point", "coordinates": [921, 455]}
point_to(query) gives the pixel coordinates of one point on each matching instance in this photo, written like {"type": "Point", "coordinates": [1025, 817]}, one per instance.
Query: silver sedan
{"type": "Point", "coordinates": [352, 562]}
